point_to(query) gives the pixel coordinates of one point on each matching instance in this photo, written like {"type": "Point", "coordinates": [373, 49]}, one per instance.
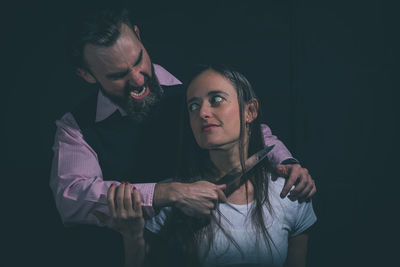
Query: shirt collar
{"type": "Point", "coordinates": [105, 107]}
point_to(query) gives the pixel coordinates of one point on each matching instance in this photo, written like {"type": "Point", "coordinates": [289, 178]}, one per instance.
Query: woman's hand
{"type": "Point", "coordinates": [126, 215]}
{"type": "Point", "coordinates": [126, 218]}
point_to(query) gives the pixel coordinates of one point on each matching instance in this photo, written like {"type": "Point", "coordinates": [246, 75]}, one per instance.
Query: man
{"type": "Point", "coordinates": [128, 131]}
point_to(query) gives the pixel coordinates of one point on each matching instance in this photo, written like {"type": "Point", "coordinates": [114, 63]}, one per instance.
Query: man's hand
{"type": "Point", "coordinates": [300, 178]}
{"type": "Point", "coordinates": [194, 199]}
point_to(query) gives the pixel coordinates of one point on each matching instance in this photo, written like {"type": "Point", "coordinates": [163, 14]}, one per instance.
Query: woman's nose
{"type": "Point", "coordinates": [205, 111]}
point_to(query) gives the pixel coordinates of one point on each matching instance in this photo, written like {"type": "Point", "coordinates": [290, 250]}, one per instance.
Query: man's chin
{"type": "Point", "coordinates": [139, 104]}
{"type": "Point", "coordinates": [140, 109]}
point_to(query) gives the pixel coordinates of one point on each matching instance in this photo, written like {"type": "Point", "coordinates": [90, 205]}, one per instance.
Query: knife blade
{"type": "Point", "coordinates": [234, 175]}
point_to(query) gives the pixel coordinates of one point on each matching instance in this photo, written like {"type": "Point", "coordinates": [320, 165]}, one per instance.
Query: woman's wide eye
{"type": "Point", "coordinates": [216, 99]}
{"type": "Point", "coordinates": [193, 106]}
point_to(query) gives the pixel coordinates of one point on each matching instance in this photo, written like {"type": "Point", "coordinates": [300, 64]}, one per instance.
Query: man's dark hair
{"type": "Point", "coordinates": [100, 26]}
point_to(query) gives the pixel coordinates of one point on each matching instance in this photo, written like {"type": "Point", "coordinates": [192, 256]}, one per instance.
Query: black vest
{"type": "Point", "coordinates": [127, 151]}
{"type": "Point", "coordinates": [135, 152]}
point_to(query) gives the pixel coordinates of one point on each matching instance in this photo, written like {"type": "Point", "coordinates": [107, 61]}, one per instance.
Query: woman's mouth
{"type": "Point", "coordinates": [140, 93]}
{"type": "Point", "coordinates": [209, 127]}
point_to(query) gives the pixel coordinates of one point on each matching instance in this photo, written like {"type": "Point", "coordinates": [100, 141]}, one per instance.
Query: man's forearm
{"type": "Point", "coordinates": [196, 199]}
{"type": "Point", "coordinates": [165, 194]}
{"type": "Point", "coordinates": [280, 153]}
{"type": "Point", "coordinates": [75, 205]}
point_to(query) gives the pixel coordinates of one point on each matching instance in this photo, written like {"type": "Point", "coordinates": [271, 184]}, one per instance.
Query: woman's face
{"type": "Point", "coordinates": [213, 108]}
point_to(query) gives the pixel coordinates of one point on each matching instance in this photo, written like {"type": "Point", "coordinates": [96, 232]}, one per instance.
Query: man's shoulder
{"type": "Point", "coordinates": [67, 121]}
{"type": "Point", "coordinates": [67, 128]}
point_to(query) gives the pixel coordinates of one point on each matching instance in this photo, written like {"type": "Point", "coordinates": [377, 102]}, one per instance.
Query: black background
{"type": "Point", "coordinates": [326, 73]}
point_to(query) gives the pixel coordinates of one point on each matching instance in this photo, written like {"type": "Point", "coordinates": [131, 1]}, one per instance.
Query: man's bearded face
{"type": "Point", "coordinates": [125, 73]}
{"type": "Point", "coordinates": [139, 102]}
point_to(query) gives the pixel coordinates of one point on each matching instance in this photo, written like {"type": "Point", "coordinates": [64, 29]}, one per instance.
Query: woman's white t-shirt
{"type": "Point", "coordinates": [288, 219]}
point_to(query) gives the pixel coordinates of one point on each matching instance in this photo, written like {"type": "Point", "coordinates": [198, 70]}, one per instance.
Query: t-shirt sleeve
{"type": "Point", "coordinates": [305, 218]}
{"type": "Point", "coordinates": [155, 223]}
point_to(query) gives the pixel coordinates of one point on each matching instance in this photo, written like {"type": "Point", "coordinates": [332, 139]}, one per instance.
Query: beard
{"type": "Point", "coordinates": [139, 109]}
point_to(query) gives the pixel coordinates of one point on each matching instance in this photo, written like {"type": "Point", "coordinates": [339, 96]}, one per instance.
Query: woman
{"type": "Point", "coordinates": [255, 226]}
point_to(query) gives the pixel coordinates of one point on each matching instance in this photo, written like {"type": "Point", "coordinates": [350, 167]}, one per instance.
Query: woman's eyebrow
{"type": "Point", "coordinates": [192, 99]}
{"type": "Point", "coordinates": [211, 93]}
{"type": "Point", "coordinates": [217, 92]}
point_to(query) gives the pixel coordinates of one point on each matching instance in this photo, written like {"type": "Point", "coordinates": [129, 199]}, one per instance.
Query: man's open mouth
{"type": "Point", "coordinates": [140, 93]}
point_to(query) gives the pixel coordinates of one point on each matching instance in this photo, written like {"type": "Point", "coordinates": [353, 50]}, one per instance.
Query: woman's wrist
{"type": "Point", "coordinates": [133, 238]}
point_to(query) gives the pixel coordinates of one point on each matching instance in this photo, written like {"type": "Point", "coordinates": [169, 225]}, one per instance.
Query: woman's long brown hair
{"type": "Point", "coordinates": [182, 233]}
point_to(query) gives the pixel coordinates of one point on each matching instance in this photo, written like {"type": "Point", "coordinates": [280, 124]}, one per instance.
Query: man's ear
{"type": "Point", "coordinates": [137, 31]}
{"type": "Point", "coordinates": [251, 110]}
{"type": "Point", "coordinates": [84, 74]}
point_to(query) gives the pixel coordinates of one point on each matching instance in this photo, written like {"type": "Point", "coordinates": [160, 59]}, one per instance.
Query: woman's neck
{"type": "Point", "coordinates": [225, 160]}
{"type": "Point", "coordinates": [239, 195]}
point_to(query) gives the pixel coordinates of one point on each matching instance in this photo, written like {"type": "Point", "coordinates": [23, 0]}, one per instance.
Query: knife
{"type": "Point", "coordinates": [232, 178]}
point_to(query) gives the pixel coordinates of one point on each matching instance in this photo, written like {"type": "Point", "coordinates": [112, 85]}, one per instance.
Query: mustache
{"type": "Point", "coordinates": [148, 81]}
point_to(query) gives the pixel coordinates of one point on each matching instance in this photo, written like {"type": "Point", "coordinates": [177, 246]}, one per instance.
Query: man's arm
{"type": "Point", "coordinates": [78, 186]}
{"type": "Point", "coordinates": [194, 199]}
{"type": "Point", "coordinates": [76, 178]}
{"type": "Point", "coordinates": [288, 167]}
{"type": "Point", "coordinates": [279, 153]}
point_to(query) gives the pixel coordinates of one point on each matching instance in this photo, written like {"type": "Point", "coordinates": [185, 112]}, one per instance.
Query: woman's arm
{"type": "Point", "coordinates": [297, 251]}
{"type": "Point", "coordinates": [135, 251]}
{"type": "Point", "coordinates": [127, 219]}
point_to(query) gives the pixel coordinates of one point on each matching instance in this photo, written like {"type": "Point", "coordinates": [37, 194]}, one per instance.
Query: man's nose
{"type": "Point", "coordinates": [136, 78]}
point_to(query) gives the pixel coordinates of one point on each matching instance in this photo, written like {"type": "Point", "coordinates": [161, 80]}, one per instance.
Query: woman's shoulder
{"type": "Point", "coordinates": [275, 186]}
{"type": "Point", "coordinates": [299, 215]}
{"type": "Point", "coordinates": [289, 207]}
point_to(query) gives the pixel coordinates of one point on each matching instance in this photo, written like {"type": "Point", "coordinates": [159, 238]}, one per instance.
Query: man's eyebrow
{"type": "Point", "coordinates": [117, 74]}
{"type": "Point", "coordinates": [124, 72]}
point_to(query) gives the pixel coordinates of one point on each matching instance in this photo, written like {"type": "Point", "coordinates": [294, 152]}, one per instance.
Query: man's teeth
{"type": "Point", "coordinates": [142, 91]}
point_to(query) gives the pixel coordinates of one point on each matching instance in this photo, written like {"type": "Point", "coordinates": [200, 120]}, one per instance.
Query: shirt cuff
{"type": "Point", "coordinates": [290, 161]}
{"type": "Point", "coordinates": [146, 193]}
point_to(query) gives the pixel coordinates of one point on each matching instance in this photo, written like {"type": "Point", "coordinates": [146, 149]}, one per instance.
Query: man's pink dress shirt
{"type": "Point", "coordinates": [76, 178]}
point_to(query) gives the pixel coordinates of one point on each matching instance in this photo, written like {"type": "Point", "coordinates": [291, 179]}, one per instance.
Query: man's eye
{"type": "Point", "coordinates": [193, 106]}
{"type": "Point", "coordinates": [117, 76]}
{"type": "Point", "coordinates": [216, 99]}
